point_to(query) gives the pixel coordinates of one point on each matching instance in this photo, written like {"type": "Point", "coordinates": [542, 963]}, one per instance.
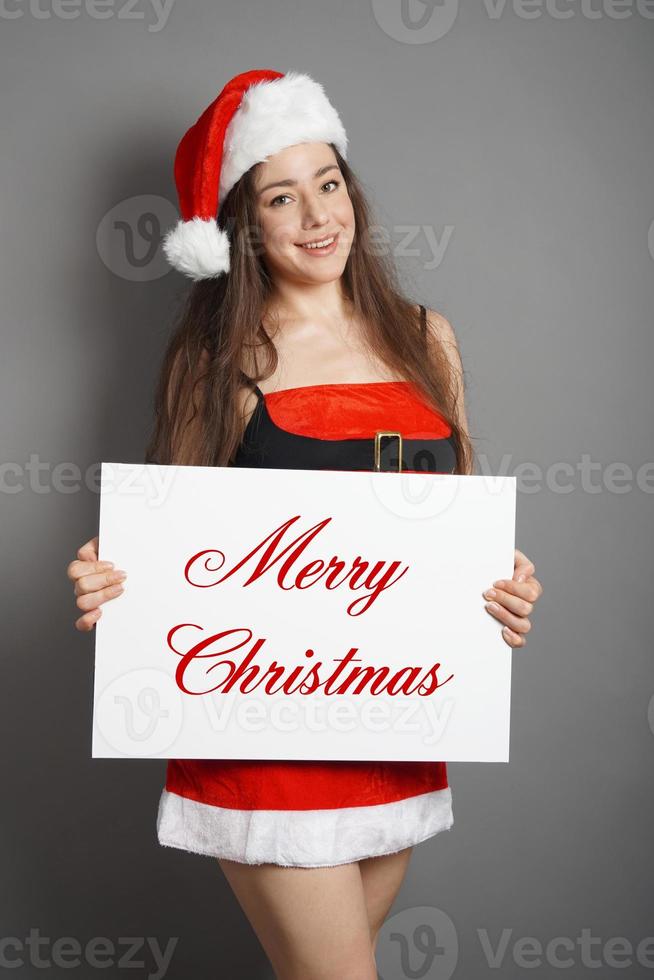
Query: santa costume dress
{"type": "Point", "coordinates": [304, 813]}
{"type": "Point", "coordinates": [296, 813]}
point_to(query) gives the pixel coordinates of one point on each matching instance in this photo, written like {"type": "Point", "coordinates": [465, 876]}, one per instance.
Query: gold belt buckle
{"type": "Point", "coordinates": [378, 438]}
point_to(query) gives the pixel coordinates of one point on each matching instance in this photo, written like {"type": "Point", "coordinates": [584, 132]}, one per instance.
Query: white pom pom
{"type": "Point", "coordinates": [198, 248]}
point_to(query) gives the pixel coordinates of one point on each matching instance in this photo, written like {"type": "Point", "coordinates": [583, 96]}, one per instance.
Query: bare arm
{"type": "Point", "coordinates": [441, 330]}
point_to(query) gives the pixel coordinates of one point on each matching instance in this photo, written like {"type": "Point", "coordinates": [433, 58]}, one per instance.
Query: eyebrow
{"type": "Point", "coordinates": [292, 183]}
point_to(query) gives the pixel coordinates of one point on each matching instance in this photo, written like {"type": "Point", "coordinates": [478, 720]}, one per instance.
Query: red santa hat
{"type": "Point", "coordinates": [257, 114]}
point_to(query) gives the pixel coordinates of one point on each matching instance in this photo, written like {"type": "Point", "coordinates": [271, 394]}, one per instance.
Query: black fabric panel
{"type": "Point", "coordinates": [264, 444]}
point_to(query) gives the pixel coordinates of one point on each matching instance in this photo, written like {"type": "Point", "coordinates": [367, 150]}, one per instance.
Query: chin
{"type": "Point", "coordinates": [326, 275]}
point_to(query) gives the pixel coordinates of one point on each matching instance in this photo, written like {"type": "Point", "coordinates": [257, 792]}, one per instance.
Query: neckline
{"type": "Point", "coordinates": [330, 384]}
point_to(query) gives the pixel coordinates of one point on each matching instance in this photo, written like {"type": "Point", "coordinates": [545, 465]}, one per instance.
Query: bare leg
{"type": "Point", "coordinates": [382, 879]}
{"type": "Point", "coordinates": [311, 922]}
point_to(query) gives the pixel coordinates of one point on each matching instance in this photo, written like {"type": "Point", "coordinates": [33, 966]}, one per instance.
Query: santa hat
{"type": "Point", "coordinates": [257, 114]}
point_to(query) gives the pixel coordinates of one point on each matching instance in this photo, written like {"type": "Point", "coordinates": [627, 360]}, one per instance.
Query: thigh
{"type": "Point", "coordinates": [382, 879]}
{"type": "Point", "coordinates": [311, 922]}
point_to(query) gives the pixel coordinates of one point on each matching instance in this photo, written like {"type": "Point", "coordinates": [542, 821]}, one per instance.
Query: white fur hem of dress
{"type": "Point", "coordinates": [302, 838]}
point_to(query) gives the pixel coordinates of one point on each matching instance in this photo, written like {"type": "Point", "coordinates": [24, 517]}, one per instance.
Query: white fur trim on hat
{"type": "Point", "coordinates": [198, 248]}
{"type": "Point", "coordinates": [273, 115]}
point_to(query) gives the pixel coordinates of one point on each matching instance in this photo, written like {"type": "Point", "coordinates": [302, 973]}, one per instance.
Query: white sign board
{"type": "Point", "coordinates": [303, 614]}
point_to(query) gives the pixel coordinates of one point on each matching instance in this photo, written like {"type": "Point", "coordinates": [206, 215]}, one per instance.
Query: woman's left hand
{"type": "Point", "coordinates": [512, 600]}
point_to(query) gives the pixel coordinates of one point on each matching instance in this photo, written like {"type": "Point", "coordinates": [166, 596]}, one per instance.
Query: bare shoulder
{"type": "Point", "coordinates": [441, 329]}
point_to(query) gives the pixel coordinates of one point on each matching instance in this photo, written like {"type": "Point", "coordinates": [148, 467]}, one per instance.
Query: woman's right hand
{"type": "Point", "coordinates": [95, 583]}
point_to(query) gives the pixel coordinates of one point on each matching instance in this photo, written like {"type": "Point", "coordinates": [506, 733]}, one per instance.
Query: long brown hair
{"type": "Point", "coordinates": [197, 420]}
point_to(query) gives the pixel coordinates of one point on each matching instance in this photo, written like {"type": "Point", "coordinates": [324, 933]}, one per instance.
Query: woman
{"type": "Point", "coordinates": [287, 274]}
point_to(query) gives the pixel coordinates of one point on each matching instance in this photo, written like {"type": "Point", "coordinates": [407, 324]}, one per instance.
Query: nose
{"type": "Point", "coordinates": [314, 213]}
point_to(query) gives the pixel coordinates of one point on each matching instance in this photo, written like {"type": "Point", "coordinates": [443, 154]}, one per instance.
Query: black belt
{"type": "Point", "coordinates": [386, 452]}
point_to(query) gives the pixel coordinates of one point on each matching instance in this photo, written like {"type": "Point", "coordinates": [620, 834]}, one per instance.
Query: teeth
{"type": "Point", "coordinates": [323, 244]}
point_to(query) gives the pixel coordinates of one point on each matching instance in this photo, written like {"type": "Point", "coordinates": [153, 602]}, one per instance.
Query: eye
{"type": "Point", "coordinates": [280, 197]}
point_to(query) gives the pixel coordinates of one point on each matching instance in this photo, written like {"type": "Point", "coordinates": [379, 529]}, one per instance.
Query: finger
{"type": "Point", "coordinates": [91, 600]}
{"type": "Point", "coordinates": [78, 568]}
{"type": "Point", "coordinates": [511, 599]}
{"type": "Point", "coordinates": [523, 567]}
{"type": "Point", "coordinates": [519, 624]}
{"type": "Point", "coordinates": [513, 639]}
{"type": "Point", "coordinates": [89, 551]}
{"type": "Point", "coordinates": [531, 590]}
{"type": "Point", "coordinates": [98, 580]}
{"type": "Point", "coordinates": [88, 620]}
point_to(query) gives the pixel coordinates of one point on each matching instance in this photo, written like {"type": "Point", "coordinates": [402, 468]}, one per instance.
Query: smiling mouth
{"type": "Point", "coordinates": [320, 245]}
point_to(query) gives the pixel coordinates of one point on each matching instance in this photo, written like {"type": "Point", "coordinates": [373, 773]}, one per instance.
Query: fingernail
{"type": "Point", "coordinates": [521, 578]}
{"type": "Point", "coordinates": [490, 593]}
{"type": "Point", "coordinates": [492, 605]}
{"type": "Point", "coordinates": [499, 583]}
{"type": "Point", "coordinates": [120, 574]}
{"type": "Point", "coordinates": [506, 631]}
{"type": "Point", "coordinates": [106, 564]}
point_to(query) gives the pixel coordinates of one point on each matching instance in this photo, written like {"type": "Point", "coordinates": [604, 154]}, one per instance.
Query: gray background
{"type": "Point", "coordinates": [531, 139]}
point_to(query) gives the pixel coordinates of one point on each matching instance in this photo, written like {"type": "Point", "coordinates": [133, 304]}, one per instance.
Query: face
{"type": "Point", "coordinates": [302, 198]}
